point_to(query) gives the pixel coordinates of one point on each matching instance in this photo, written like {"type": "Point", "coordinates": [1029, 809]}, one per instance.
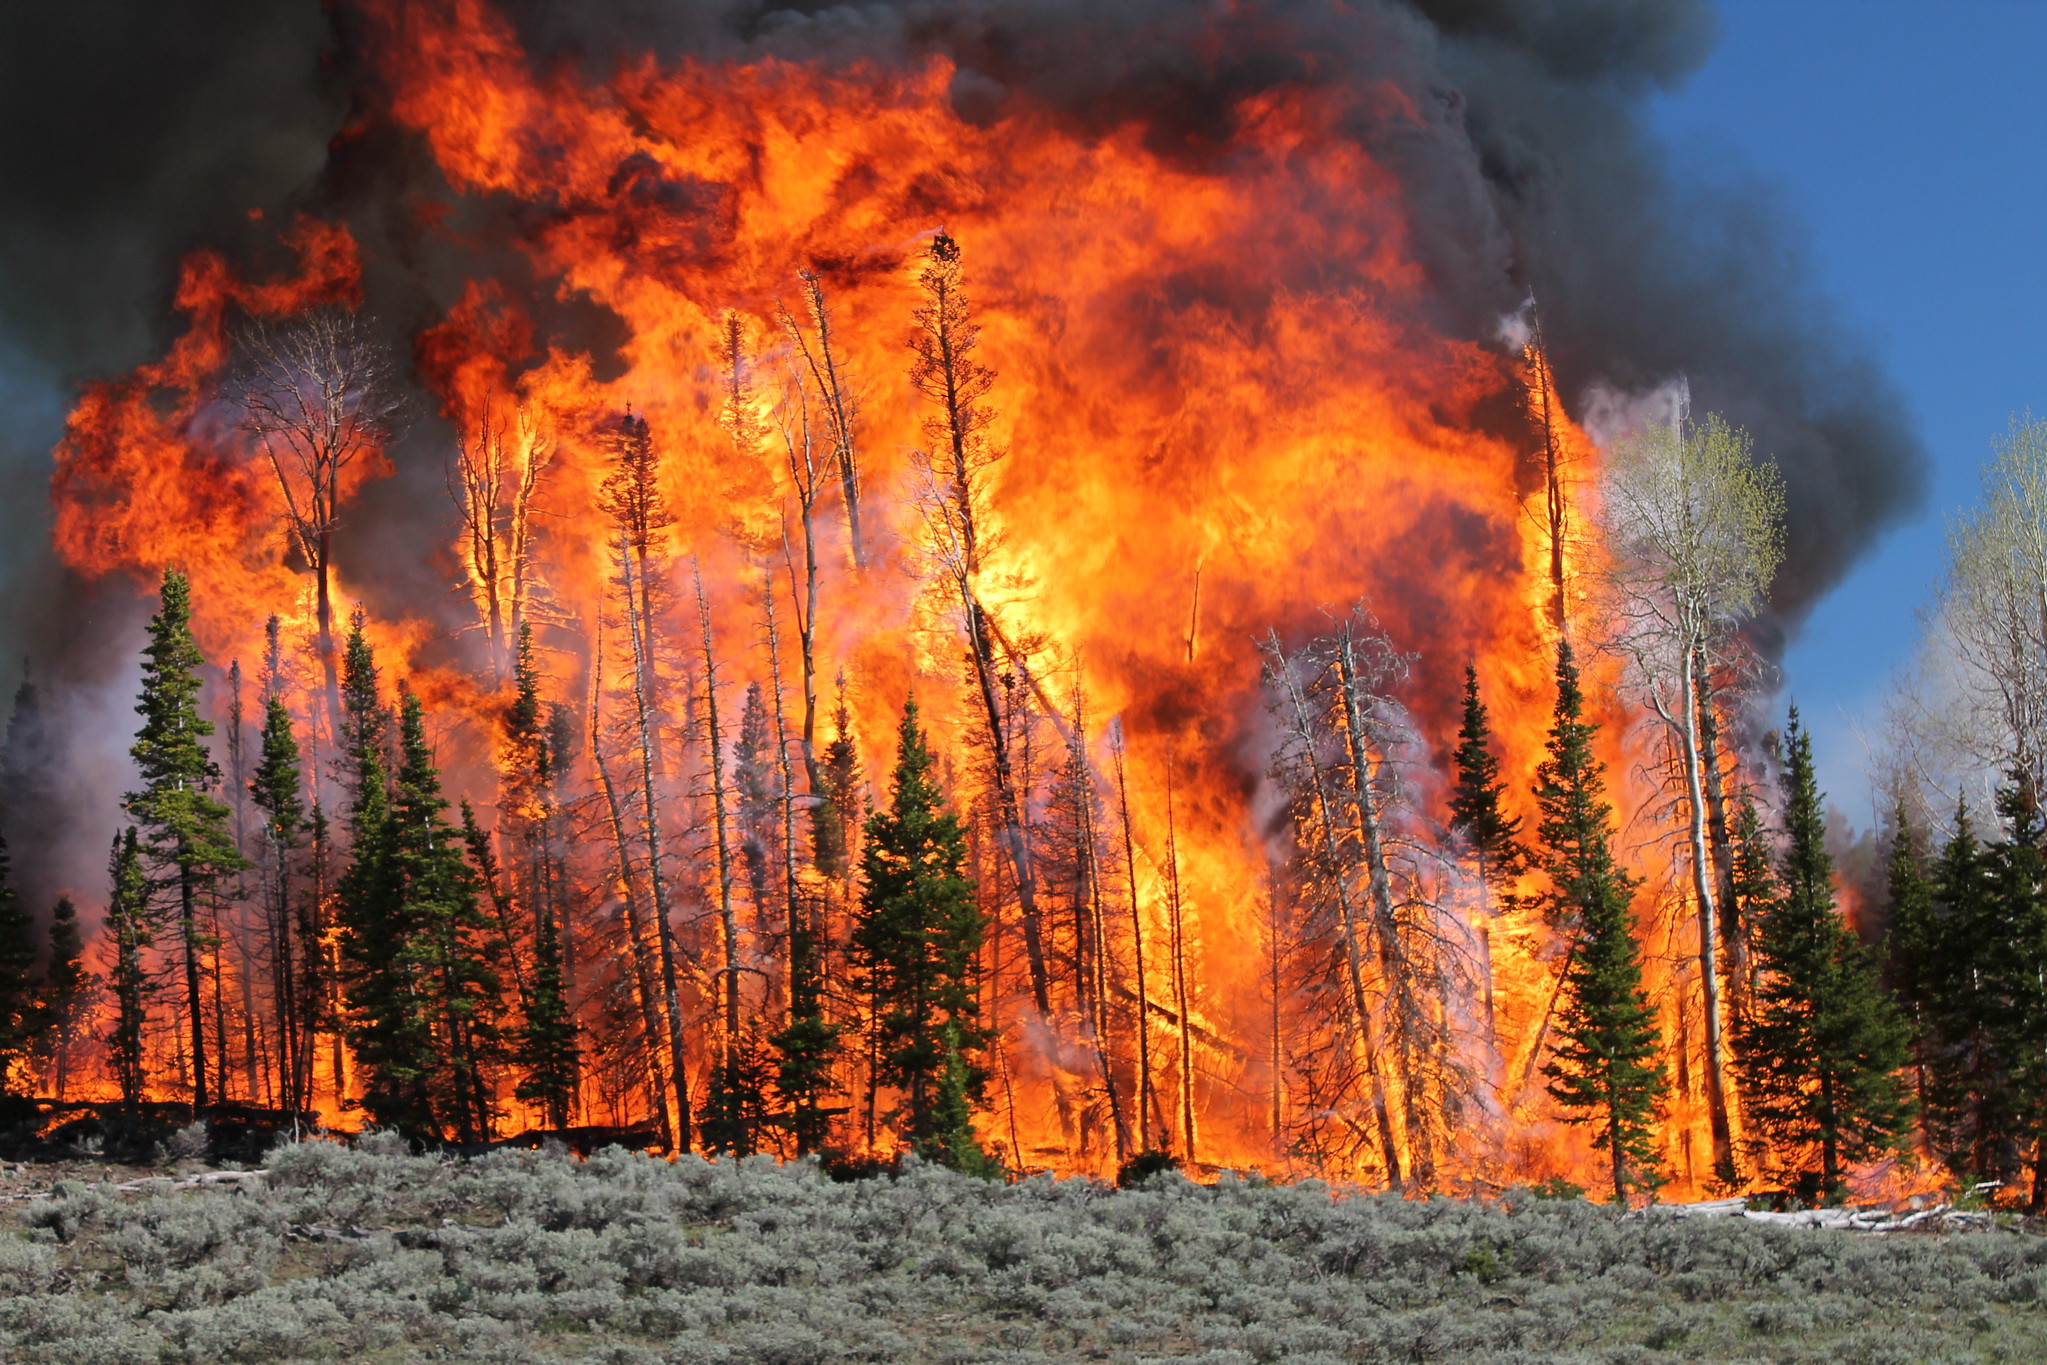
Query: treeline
{"type": "Point", "coordinates": [702, 918]}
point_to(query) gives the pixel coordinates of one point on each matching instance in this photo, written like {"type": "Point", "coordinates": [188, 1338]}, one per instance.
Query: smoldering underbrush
{"type": "Point", "coordinates": [371, 1254]}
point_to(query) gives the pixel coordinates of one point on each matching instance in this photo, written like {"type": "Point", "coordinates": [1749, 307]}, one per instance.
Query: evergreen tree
{"type": "Point", "coordinates": [1819, 1053]}
{"type": "Point", "coordinates": [758, 797]}
{"type": "Point", "coordinates": [2013, 967]}
{"type": "Point", "coordinates": [276, 787]}
{"type": "Point", "coordinates": [422, 995]}
{"type": "Point", "coordinates": [32, 800]}
{"type": "Point", "coordinates": [21, 1020]}
{"type": "Point", "coordinates": [1604, 1070]}
{"type": "Point", "coordinates": [131, 927]}
{"type": "Point", "coordinates": [67, 990]}
{"type": "Point", "coordinates": [1969, 1096]}
{"type": "Point", "coordinates": [917, 937]}
{"type": "Point", "coordinates": [1491, 835]}
{"type": "Point", "coordinates": [186, 829]}
{"type": "Point", "coordinates": [837, 811]}
{"type": "Point", "coordinates": [546, 1050]}
{"type": "Point", "coordinates": [1752, 893]}
{"type": "Point", "coordinates": [736, 1108]}
{"type": "Point", "coordinates": [952, 1141]}
{"type": "Point", "coordinates": [1911, 945]}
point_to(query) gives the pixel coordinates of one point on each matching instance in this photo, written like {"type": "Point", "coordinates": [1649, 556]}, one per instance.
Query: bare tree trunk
{"type": "Point", "coordinates": [1734, 932]}
{"type": "Point", "coordinates": [1709, 971]}
{"type": "Point", "coordinates": [664, 933]}
{"type": "Point", "coordinates": [1147, 1099]}
{"type": "Point", "coordinates": [1402, 1008]}
{"type": "Point", "coordinates": [1347, 921]}
{"type": "Point", "coordinates": [728, 924]}
{"type": "Point", "coordinates": [1177, 924]}
{"type": "Point", "coordinates": [643, 968]}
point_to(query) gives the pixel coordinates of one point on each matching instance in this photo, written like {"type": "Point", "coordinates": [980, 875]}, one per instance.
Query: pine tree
{"type": "Point", "coordinates": [131, 927]}
{"type": "Point", "coordinates": [1488, 835]}
{"type": "Point", "coordinates": [1911, 944]}
{"type": "Point", "coordinates": [21, 1021]}
{"type": "Point", "coordinates": [2013, 966]}
{"type": "Point", "coordinates": [952, 1141]}
{"type": "Point", "coordinates": [1491, 835]}
{"type": "Point", "coordinates": [757, 799]}
{"type": "Point", "coordinates": [1604, 1071]}
{"type": "Point", "coordinates": [186, 829]}
{"type": "Point", "coordinates": [67, 989]}
{"type": "Point", "coordinates": [546, 1051]}
{"type": "Point", "coordinates": [32, 798]}
{"type": "Point", "coordinates": [917, 937]}
{"type": "Point", "coordinates": [1752, 892]}
{"type": "Point", "coordinates": [1968, 1092]}
{"type": "Point", "coordinates": [423, 998]}
{"type": "Point", "coordinates": [838, 811]}
{"type": "Point", "coordinates": [276, 789]}
{"type": "Point", "coordinates": [1819, 1054]}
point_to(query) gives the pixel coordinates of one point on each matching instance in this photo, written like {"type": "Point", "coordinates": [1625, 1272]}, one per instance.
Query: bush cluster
{"type": "Point", "coordinates": [370, 1253]}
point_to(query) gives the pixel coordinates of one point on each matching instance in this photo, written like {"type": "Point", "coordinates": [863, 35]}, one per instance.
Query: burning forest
{"type": "Point", "coordinates": [874, 581]}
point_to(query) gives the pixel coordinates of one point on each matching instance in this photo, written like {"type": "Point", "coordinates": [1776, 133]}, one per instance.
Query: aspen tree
{"type": "Point", "coordinates": [1694, 523]}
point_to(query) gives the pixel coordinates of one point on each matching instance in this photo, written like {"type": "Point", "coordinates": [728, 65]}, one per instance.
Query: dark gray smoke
{"type": "Point", "coordinates": [135, 132]}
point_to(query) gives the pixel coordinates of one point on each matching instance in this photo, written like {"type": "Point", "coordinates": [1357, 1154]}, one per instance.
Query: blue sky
{"type": "Point", "coordinates": [1908, 142]}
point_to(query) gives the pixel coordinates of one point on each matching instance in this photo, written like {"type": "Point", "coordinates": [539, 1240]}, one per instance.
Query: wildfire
{"type": "Point", "coordinates": [1220, 408]}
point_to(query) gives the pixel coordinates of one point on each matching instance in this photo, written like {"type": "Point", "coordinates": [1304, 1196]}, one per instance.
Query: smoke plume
{"type": "Point", "coordinates": [1516, 128]}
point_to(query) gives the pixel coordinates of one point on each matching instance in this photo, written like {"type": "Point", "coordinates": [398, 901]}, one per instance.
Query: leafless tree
{"type": "Point", "coordinates": [320, 395]}
{"type": "Point", "coordinates": [955, 465]}
{"type": "Point", "coordinates": [814, 340]}
{"type": "Point", "coordinates": [497, 468]}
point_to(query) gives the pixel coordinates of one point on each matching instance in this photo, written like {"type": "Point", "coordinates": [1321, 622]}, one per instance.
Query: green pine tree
{"type": "Point", "coordinates": [185, 829]}
{"type": "Point", "coordinates": [1489, 833]}
{"type": "Point", "coordinates": [131, 927]}
{"type": "Point", "coordinates": [2013, 967]}
{"type": "Point", "coordinates": [21, 1018]}
{"type": "Point", "coordinates": [546, 1051]}
{"type": "Point", "coordinates": [917, 937]}
{"type": "Point", "coordinates": [1819, 1054]}
{"type": "Point", "coordinates": [1604, 1069]}
{"type": "Point", "coordinates": [423, 998]}
{"type": "Point", "coordinates": [838, 810]}
{"type": "Point", "coordinates": [953, 1141]}
{"type": "Point", "coordinates": [276, 787]}
{"type": "Point", "coordinates": [1969, 1095]}
{"type": "Point", "coordinates": [1752, 892]}
{"type": "Point", "coordinates": [67, 990]}
{"type": "Point", "coordinates": [1911, 945]}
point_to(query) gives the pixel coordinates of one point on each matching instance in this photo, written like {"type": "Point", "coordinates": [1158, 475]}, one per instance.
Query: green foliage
{"type": "Point", "coordinates": [131, 927]}
{"type": "Point", "coordinates": [1819, 1050]}
{"type": "Point", "coordinates": [837, 812]}
{"type": "Point", "coordinates": [1489, 833]}
{"type": "Point", "coordinates": [917, 937]}
{"type": "Point", "coordinates": [546, 1050]}
{"type": "Point", "coordinates": [737, 1109]}
{"type": "Point", "coordinates": [185, 831]}
{"type": "Point", "coordinates": [423, 998]}
{"type": "Point", "coordinates": [952, 1142]}
{"type": "Point", "coordinates": [22, 1020]}
{"type": "Point", "coordinates": [1604, 1070]}
{"type": "Point", "coordinates": [66, 991]}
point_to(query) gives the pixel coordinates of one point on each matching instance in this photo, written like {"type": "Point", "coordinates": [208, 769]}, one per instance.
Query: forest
{"type": "Point", "coordinates": [703, 911]}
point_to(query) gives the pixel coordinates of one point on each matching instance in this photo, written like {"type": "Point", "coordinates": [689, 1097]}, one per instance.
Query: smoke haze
{"type": "Point", "coordinates": [139, 132]}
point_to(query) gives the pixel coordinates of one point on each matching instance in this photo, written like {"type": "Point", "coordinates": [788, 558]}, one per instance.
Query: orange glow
{"type": "Point", "coordinates": [1223, 410]}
